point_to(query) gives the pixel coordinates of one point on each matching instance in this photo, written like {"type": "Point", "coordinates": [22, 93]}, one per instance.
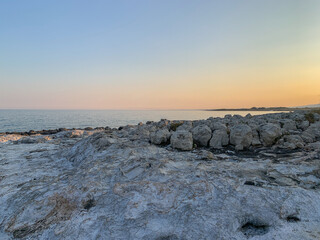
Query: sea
{"type": "Point", "coordinates": [26, 120]}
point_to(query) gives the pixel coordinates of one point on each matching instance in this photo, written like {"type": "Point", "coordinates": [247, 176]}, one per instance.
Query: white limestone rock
{"type": "Point", "coordinates": [116, 185]}
{"type": "Point", "coordinates": [312, 133]}
{"type": "Point", "coordinates": [10, 137]}
{"type": "Point", "coordinates": [217, 125]}
{"type": "Point", "coordinates": [269, 133]}
{"type": "Point", "coordinates": [187, 126]}
{"type": "Point", "coordinates": [293, 141]}
{"type": "Point", "coordinates": [241, 136]}
{"type": "Point", "coordinates": [288, 125]}
{"type": "Point", "coordinates": [161, 136]}
{"type": "Point", "coordinates": [303, 125]}
{"type": "Point", "coordinates": [181, 140]}
{"type": "Point", "coordinates": [201, 135]}
{"type": "Point", "coordinates": [220, 138]}
{"type": "Point", "coordinates": [255, 138]}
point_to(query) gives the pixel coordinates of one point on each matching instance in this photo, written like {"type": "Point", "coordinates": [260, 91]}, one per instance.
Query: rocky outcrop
{"type": "Point", "coordinates": [120, 184]}
{"type": "Point", "coordinates": [283, 130]}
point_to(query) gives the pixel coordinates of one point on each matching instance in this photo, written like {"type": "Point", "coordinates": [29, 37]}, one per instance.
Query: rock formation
{"type": "Point", "coordinates": [253, 177]}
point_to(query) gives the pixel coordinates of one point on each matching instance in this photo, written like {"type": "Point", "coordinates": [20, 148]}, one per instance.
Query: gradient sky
{"type": "Point", "coordinates": [159, 54]}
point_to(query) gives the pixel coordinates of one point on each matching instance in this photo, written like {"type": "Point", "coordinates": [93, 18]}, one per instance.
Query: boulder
{"type": "Point", "coordinates": [288, 125]}
{"type": "Point", "coordinates": [219, 139]}
{"type": "Point", "coordinates": [197, 123]}
{"type": "Point", "coordinates": [255, 140]}
{"type": "Point", "coordinates": [187, 125]}
{"type": "Point", "coordinates": [160, 137]}
{"type": "Point", "coordinates": [241, 136]}
{"type": "Point", "coordinates": [217, 126]}
{"type": "Point", "coordinates": [182, 140]}
{"type": "Point", "coordinates": [303, 125]}
{"type": "Point", "coordinates": [201, 134]}
{"type": "Point", "coordinates": [163, 123]}
{"type": "Point", "coordinates": [269, 133]}
{"type": "Point", "coordinates": [298, 117]}
{"type": "Point", "coordinates": [308, 136]}
{"type": "Point", "coordinates": [312, 133]}
{"type": "Point", "coordinates": [315, 127]}
{"type": "Point", "coordinates": [293, 141]}
{"type": "Point", "coordinates": [314, 146]}
{"type": "Point", "coordinates": [316, 116]}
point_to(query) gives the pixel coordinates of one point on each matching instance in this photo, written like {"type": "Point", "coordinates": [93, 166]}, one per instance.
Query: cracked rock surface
{"type": "Point", "coordinates": [115, 184]}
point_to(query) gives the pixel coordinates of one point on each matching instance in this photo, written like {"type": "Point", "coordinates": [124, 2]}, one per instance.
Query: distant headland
{"type": "Point", "coordinates": [264, 109]}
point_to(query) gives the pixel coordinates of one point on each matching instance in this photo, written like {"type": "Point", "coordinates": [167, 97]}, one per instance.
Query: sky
{"type": "Point", "coordinates": [159, 54]}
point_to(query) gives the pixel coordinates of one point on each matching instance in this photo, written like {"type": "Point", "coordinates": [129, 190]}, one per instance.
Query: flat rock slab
{"type": "Point", "coordinates": [119, 186]}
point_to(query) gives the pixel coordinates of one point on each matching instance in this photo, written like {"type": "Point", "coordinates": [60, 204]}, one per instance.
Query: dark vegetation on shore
{"type": "Point", "coordinates": [310, 115]}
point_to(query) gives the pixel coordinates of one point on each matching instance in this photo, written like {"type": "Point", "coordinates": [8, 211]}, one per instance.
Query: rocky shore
{"type": "Point", "coordinates": [252, 177]}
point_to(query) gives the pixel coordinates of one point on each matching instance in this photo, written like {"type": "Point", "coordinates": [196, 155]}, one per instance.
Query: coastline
{"type": "Point", "coordinates": [253, 176]}
{"type": "Point", "coordinates": [89, 128]}
{"type": "Point", "coordinates": [271, 109]}
{"type": "Point", "coordinates": [24, 121]}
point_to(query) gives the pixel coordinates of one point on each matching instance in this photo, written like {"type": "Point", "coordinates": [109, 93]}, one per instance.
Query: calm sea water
{"type": "Point", "coordinates": [25, 120]}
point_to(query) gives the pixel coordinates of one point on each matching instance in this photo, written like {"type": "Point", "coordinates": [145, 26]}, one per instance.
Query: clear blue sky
{"type": "Point", "coordinates": [158, 54]}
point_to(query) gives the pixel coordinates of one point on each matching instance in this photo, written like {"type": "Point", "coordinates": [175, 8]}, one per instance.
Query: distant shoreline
{"type": "Point", "coordinates": [262, 109]}
{"type": "Point", "coordinates": [53, 122]}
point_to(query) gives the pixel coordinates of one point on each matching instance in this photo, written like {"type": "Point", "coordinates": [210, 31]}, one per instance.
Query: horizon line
{"type": "Point", "coordinates": [156, 109]}
{"type": "Point", "coordinates": [135, 109]}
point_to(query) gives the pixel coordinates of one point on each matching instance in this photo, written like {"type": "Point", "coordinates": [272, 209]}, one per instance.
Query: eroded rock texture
{"type": "Point", "coordinates": [115, 184]}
